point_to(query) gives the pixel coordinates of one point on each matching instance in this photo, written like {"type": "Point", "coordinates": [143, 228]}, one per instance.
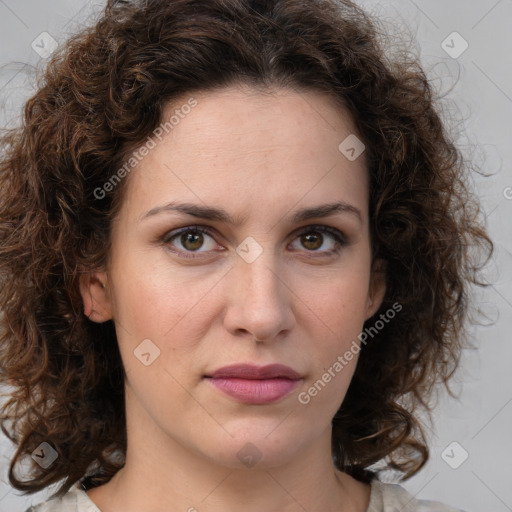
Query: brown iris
{"type": "Point", "coordinates": [309, 240]}
{"type": "Point", "coordinates": [195, 238]}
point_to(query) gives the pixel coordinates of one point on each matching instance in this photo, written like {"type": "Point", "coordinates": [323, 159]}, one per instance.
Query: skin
{"type": "Point", "coordinates": [261, 157]}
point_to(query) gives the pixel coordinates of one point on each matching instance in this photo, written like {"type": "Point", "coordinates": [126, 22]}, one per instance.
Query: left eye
{"type": "Point", "coordinates": [192, 239]}
{"type": "Point", "coordinates": [313, 239]}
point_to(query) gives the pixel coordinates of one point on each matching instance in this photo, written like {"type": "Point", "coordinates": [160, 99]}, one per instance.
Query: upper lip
{"type": "Point", "coordinates": [250, 371]}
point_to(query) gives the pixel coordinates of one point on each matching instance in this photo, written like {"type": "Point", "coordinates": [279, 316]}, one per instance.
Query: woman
{"type": "Point", "coordinates": [235, 251]}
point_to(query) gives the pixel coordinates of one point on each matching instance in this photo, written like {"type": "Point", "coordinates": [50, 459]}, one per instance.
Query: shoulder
{"type": "Point", "coordinates": [392, 497]}
{"type": "Point", "coordinates": [75, 500]}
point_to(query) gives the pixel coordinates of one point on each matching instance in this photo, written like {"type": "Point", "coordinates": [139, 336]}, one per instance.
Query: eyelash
{"type": "Point", "coordinates": [337, 235]}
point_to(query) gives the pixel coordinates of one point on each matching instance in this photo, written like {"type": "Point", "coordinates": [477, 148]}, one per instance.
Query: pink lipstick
{"type": "Point", "coordinates": [255, 385]}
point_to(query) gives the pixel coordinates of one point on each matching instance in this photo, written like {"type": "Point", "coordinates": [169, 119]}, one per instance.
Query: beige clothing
{"type": "Point", "coordinates": [383, 498]}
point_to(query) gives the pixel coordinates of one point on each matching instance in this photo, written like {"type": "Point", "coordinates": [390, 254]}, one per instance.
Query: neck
{"type": "Point", "coordinates": [161, 474]}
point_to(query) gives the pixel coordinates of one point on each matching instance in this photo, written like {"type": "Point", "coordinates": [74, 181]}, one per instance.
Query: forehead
{"type": "Point", "coordinates": [289, 118]}
{"type": "Point", "coordinates": [252, 148]}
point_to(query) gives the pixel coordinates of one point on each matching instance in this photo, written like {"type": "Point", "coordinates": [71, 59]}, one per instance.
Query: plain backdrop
{"type": "Point", "coordinates": [465, 49]}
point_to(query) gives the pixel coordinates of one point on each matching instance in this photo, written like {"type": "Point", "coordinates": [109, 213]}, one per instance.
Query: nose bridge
{"type": "Point", "coordinates": [259, 301]}
{"type": "Point", "coordinates": [259, 276]}
{"type": "Point", "coordinates": [262, 279]}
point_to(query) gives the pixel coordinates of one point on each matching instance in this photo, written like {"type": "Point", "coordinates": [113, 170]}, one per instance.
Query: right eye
{"type": "Point", "coordinates": [191, 239]}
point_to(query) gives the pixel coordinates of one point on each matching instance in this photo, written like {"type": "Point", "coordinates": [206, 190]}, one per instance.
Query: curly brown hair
{"type": "Point", "coordinates": [101, 95]}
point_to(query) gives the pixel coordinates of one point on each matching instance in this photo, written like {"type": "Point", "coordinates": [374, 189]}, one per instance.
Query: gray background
{"type": "Point", "coordinates": [478, 100]}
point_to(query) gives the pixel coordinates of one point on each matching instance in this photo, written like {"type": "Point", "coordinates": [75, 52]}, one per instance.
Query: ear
{"type": "Point", "coordinates": [96, 296]}
{"type": "Point", "coordinates": [377, 288]}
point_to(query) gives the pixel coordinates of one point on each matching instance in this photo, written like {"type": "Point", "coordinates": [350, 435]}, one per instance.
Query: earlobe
{"type": "Point", "coordinates": [377, 288]}
{"type": "Point", "coordinates": [95, 296]}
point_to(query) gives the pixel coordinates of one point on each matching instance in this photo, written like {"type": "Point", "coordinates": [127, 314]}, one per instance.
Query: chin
{"type": "Point", "coordinates": [259, 447]}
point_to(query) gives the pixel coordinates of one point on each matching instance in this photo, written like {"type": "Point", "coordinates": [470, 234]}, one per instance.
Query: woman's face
{"type": "Point", "coordinates": [187, 304]}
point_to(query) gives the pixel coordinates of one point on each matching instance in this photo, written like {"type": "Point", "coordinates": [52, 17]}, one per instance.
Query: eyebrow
{"type": "Point", "coordinates": [217, 214]}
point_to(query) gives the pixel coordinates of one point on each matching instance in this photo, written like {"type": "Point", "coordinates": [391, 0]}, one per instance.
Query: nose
{"type": "Point", "coordinates": [259, 299]}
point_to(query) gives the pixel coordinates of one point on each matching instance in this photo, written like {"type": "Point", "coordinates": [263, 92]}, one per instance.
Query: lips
{"type": "Point", "coordinates": [248, 371]}
{"type": "Point", "coordinates": [255, 385]}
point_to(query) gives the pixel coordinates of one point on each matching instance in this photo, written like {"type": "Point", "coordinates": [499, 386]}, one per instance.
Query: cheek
{"type": "Point", "coordinates": [173, 310]}
{"type": "Point", "coordinates": [151, 295]}
{"type": "Point", "coordinates": [339, 301]}
{"type": "Point", "coordinates": [144, 310]}
{"type": "Point", "coordinates": [337, 315]}
{"type": "Point", "coordinates": [334, 353]}
{"type": "Point", "coordinates": [153, 326]}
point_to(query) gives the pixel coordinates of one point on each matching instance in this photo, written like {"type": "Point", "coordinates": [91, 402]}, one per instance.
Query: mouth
{"type": "Point", "coordinates": [255, 385]}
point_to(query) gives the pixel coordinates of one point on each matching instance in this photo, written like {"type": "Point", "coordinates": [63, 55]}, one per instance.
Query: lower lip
{"type": "Point", "coordinates": [255, 392]}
